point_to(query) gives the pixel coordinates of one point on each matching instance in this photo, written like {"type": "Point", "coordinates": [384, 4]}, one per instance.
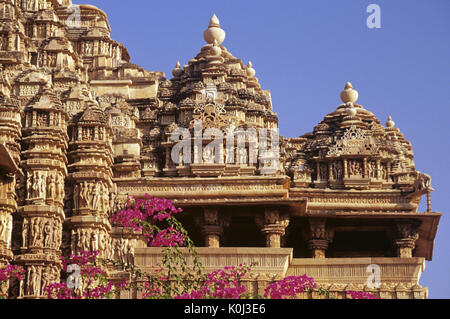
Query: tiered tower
{"type": "Point", "coordinates": [81, 129]}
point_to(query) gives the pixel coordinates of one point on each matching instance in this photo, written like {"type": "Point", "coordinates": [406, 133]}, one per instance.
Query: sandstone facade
{"type": "Point", "coordinates": [81, 128]}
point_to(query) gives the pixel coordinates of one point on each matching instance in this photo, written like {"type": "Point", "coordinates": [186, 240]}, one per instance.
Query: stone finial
{"type": "Point", "coordinates": [214, 31]}
{"type": "Point", "coordinates": [390, 123]}
{"type": "Point", "coordinates": [250, 70]}
{"type": "Point", "coordinates": [177, 71]}
{"type": "Point", "coordinates": [349, 94]}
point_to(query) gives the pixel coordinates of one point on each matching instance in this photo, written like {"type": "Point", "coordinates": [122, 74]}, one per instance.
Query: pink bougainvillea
{"type": "Point", "coordinates": [220, 284]}
{"type": "Point", "coordinates": [289, 287]}
{"type": "Point", "coordinates": [361, 295]}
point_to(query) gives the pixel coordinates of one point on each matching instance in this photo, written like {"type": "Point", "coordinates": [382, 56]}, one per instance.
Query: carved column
{"type": "Point", "coordinates": [319, 236]}
{"type": "Point", "coordinates": [407, 234]}
{"type": "Point", "coordinates": [273, 226]}
{"type": "Point", "coordinates": [212, 226]}
{"type": "Point", "coordinates": [44, 162]}
{"type": "Point", "coordinates": [93, 199]}
{"type": "Point", "coordinates": [10, 133]}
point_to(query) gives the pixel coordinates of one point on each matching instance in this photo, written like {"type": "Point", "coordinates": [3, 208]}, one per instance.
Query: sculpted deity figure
{"type": "Point", "coordinates": [29, 186]}
{"type": "Point", "coordinates": [94, 240]}
{"type": "Point", "coordinates": [41, 233]}
{"type": "Point", "coordinates": [124, 250]}
{"type": "Point", "coordinates": [130, 253]}
{"type": "Point", "coordinates": [88, 48]}
{"type": "Point", "coordinates": [86, 240]}
{"type": "Point", "coordinates": [84, 197]}
{"type": "Point", "coordinates": [118, 249]}
{"type": "Point", "coordinates": [384, 172]}
{"type": "Point", "coordinates": [51, 191]}
{"type": "Point", "coordinates": [41, 185]}
{"type": "Point", "coordinates": [45, 279]}
{"type": "Point", "coordinates": [31, 280]}
{"type": "Point", "coordinates": [59, 187]}
{"type": "Point", "coordinates": [48, 234]}
{"type": "Point", "coordinates": [35, 232]}
{"type": "Point", "coordinates": [35, 185]}
{"type": "Point", "coordinates": [37, 282]}
{"type": "Point", "coordinates": [25, 233]}
{"type": "Point", "coordinates": [112, 202]}
{"type": "Point", "coordinates": [97, 195]}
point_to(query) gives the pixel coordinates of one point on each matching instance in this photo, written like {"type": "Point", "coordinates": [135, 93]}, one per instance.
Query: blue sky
{"type": "Point", "coordinates": [305, 52]}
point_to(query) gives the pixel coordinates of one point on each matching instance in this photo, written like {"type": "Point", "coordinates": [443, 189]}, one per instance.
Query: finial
{"type": "Point", "coordinates": [214, 31]}
{"type": "Point", "coordinates": [390, 123]}
{"type": "Point", "coordinates": [349, 94]}
{"type": "Point", "coordinates": [214, 21]}
{"type": "Point", "coordinates": [177, 72]}
{"type": "Point", "coordinates": [250, 70]}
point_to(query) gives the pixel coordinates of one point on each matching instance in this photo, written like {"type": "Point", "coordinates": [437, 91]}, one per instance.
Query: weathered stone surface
{"type": "Point", "coordinates": [81, 128]}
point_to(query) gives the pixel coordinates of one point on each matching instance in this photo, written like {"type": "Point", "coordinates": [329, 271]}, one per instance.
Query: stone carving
{"type": "Point", "coordinates": [85, 127]}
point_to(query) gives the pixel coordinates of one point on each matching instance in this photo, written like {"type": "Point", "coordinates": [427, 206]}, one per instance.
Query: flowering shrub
{"type": "Point", "coordinates": [361, 295]}
{"type": "Point", "coordinates": [290, 287]}
{"type": "Point", "coordinates": [89, 281]}
{"type": "Point", "coordinates": [220, 284]}
{"type": "Point", "coordinates": [10, 272]}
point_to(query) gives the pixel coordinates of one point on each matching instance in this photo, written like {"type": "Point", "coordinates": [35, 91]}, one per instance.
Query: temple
{"type": "Point", "coordinates": [81, 129]}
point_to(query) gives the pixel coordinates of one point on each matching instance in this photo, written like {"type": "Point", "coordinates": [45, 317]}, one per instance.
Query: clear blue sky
{"type": "Point", "coordinates": [305, 52]}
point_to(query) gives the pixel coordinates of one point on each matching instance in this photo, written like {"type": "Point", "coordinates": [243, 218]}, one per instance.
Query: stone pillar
{"type": "Point", "coordinates": [407, 235]}
{"type": "Point", "coordinates": [319, 237]}
{"type": "Point", "coordinates": [212, 226]}
{"type": "Point", "coordinates": [345, 175]}
{"type": "Point", "coordinates": [273, 226]}
{"type": "Point", "coordinates": [379, 169]}
{"type": "Point", "coordinates": [10, 132]}
{"type": "Point", "coordinates": [44, 164]}
{"type": "Point", "coordinates": [94, 193]}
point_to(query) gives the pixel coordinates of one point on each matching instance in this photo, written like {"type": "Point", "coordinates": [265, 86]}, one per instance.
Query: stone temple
{"type": "Point", "coordinates": [81, 128]}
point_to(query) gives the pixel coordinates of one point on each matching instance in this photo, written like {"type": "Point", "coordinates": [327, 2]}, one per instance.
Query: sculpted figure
{"type": "Point", "coordinates": [96, 195]}
{"type": "Point", "coordinates": [29, 186]}
{"type": "Point", "coordinates": [94, 240]}
{"type": "Point", "coordinates": [2, 228]}
{"type": "Point", "coordinates": [124, 247]}
{"type": "Point", "coordinates": [37, 282]}
{"type": "Point", "coordinates": [25, 233]}
{"type": "Point", "coordinates": [35, 233]}
{"type": "Point", "coordinates": [21, 284]}
{"type": "Point", "coordinates": [130, 253]}
{"type": "Point", "coordinates": [35, 185]}
{"type": "Point", "coordinates": [31, 279]}
{"type": "Point", "coordinates": [51, 186]}
{"type": "Point", "coordinates": [84, 194]}
{"type": "Point", "coordinates": [59, 187]}
{"type": "Point", "coordinates": [48, 232]}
